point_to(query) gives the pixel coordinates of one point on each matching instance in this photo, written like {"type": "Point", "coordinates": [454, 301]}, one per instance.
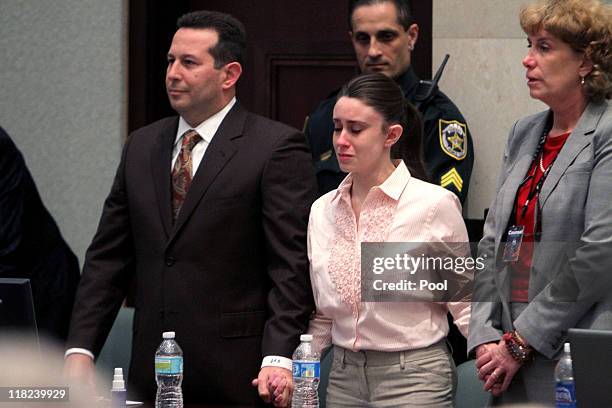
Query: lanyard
{"type": "Point", "coordinates": [535, 191]}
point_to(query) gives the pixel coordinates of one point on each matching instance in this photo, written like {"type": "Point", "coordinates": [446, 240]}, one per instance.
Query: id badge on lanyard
{"type": "Point", "coordinates": [513, 243]}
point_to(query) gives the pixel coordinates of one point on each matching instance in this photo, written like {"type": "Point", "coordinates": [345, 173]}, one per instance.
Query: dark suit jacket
{"type": "Point", "coordinates": [230, 276]}
{"type": "Point", "coordinates": [31, 245]}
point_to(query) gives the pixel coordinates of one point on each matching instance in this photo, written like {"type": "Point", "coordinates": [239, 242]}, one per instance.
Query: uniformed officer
{"type": "Point", "coordinates": [383, 35]}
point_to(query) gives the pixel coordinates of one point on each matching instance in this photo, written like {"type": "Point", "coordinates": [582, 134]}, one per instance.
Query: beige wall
{"type": "Point", "coordinates": [485, 78]}
{"type": "Point", "coordinates": [63, 101]}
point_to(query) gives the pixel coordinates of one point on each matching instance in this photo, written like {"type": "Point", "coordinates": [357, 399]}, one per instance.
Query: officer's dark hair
{"type": "Point", "coordinates": [232, 38]}
{"type": "Point", "coordinates": [383, 95]}
{"type": "Point", "coordinates": [404, 10]}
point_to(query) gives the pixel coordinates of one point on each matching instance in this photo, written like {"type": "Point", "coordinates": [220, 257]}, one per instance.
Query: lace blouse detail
{"type": "Point", "coordinates": [345, 252]}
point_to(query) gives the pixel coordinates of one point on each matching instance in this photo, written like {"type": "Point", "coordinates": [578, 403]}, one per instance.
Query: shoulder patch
{"type": "Point", "coordinates": [452, 177]}
{"type": "Point", "coordinates": [453, 138]}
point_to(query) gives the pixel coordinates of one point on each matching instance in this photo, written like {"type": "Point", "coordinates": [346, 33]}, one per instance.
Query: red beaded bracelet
{"type": "Point", "coordinates": [520, 352]}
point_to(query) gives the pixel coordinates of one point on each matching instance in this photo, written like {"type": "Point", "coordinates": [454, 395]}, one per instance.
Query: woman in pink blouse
{"type": "Point", "coordinates": [385, 353]}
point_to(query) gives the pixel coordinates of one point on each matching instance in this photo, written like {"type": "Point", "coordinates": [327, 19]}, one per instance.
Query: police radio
{"type": "Point", "coordinates": [426, 90]}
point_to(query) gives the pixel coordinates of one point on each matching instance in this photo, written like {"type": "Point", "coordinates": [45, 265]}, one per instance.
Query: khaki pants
{"type": "Point", "coordinates": [412, 378]}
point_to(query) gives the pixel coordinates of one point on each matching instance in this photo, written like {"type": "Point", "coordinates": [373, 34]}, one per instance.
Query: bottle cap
{"type": "Point", "coordinates": [306, 337]}
{"type": "Point", "coordinates": [566, 347]}
{"type": "Point", "coordinates": [168, 335]}
{"type": "Point", "coordinates": [118, 383]}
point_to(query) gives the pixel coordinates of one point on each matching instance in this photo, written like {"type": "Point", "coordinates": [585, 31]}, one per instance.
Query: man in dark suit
{"type": "Point", "coordinates": [217, 249]}
{"type": "Point", "coordinates": [31, 245]}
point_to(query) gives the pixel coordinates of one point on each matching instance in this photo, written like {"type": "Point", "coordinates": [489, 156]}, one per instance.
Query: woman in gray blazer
{"type": "Point", "coordinates": [548, 235]}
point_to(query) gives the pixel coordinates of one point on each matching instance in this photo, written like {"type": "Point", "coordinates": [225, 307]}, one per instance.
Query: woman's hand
{"type": "Point", "coordinates": [496, 367]}
{"type": "Point", "coordinates": [483, 351]}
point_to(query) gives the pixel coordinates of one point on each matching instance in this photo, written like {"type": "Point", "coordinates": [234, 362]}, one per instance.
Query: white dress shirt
{"type": "Point", "coordinates": [206, 130]}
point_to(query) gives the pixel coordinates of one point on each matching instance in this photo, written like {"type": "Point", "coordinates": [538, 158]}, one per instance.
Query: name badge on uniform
{"type": "Point", "coordinates": [513, 243]}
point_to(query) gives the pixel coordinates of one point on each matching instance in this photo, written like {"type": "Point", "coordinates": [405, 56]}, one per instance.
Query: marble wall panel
{"type": "Point", "coordinates": [485, 78]}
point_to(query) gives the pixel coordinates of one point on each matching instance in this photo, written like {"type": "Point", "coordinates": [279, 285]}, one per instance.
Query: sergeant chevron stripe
{"type": "Point", "coordinates": [452, 177]}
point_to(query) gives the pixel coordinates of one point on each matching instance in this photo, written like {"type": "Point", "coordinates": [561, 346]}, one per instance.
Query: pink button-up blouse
{"type": "Point", "coordinates": [401, 209]}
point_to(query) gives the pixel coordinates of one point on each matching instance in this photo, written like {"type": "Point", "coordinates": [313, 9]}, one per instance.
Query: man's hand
{"type": "Point", "coordinates": [496, 367]}
{"type": "Point", "coordinates": [79, 369]}
{"type": "Point", "coordinates": [275, 385]}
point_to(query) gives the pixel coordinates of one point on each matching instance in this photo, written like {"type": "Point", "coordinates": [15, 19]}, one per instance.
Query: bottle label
{"type": "Point", "coordinates": [306, 369]}
{"type": "Point", "coordinates": [168, 365]}
{"type": "Point", "coordinates": [565, 394]}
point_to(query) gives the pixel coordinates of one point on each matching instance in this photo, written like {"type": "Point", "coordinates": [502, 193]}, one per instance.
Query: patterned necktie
{"type": "Point", "coordinates": [181, 173]}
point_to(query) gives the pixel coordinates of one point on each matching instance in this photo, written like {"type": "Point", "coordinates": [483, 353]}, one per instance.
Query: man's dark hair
{"type": "Point", "coordinates": [382, 94]}
{"type": "Point", "coordinates": [404, 10]}
{"type": "Point", "coordinates": [232, 38]}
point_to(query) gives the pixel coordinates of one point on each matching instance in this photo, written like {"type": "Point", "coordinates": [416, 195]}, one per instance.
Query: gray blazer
{"type": "Point", "coordinates": [571, 278]}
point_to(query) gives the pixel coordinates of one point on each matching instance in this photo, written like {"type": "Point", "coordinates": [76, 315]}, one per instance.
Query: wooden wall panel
{"type": "Point", "coordinates": [290, 97]}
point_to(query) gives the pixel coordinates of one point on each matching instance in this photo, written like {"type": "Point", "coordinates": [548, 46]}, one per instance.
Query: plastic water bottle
{"type": "Point", "coordinates": [118, 391]}
{"type": "Point", "coordinates": [169, 373]}
{"type": "Point", "coordinates": [565, 393]}
{"type": "Point", "coordinates": [306, 372]}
